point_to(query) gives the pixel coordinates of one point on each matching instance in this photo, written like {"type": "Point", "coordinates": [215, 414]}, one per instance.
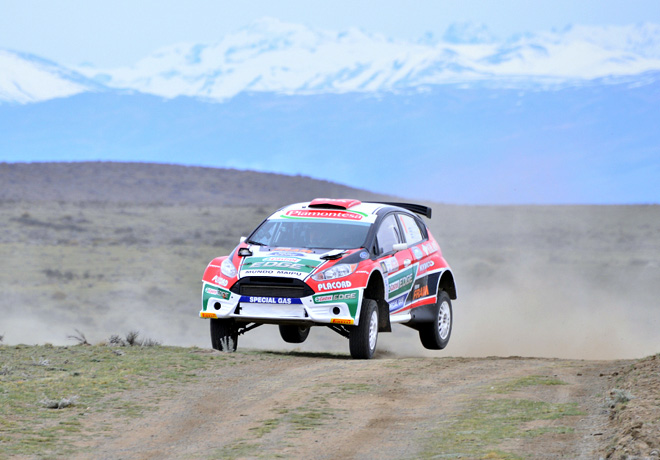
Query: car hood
{"type": "Point", "coordinates": [285, 262]}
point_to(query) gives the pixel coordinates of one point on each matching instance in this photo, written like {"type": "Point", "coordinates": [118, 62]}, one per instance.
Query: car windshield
{"type": "Point", "coordinates": [310, 235]}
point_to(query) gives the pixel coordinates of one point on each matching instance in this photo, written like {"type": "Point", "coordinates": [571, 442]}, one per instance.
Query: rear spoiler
{"type": "Point", "coordinates": [416, 208]}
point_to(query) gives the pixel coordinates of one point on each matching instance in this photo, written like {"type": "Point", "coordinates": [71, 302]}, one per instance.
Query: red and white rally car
{"type": "Point", "coordinates": [354, 267]}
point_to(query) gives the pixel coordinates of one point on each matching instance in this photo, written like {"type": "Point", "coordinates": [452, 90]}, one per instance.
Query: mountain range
{"type": "Point", "coordinates": [567, 116]}
{"type": "Point", "coordinates": [275, 57]}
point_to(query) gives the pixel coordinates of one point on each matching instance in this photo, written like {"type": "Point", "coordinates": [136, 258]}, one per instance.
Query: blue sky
{"type": "Point", "coordinates": [119, 32]}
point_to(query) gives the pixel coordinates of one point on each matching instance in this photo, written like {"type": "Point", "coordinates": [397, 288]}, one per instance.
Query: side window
{"type": "Point", "coordinates": [388, 235]}
{"type": "Point", "coordinates": [411, 231]}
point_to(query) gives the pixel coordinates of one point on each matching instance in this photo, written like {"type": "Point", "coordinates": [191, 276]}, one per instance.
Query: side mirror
{"type": "Point", "coordinates": [400, 246]}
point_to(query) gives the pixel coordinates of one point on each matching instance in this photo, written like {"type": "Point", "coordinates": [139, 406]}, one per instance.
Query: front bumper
{"type": "Point", "coordinates": [335, 307]}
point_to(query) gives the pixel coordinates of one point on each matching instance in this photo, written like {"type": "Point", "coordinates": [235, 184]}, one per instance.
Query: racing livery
{"type": "Point", "coordinates": [355, 267]}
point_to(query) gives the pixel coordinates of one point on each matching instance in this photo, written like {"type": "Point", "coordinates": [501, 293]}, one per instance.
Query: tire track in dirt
{"type": "Point", "coordinates": [304, 405]}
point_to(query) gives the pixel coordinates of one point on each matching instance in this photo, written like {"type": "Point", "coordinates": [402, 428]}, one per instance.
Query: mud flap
{"type": "Point", "coordinates": [384, 324]}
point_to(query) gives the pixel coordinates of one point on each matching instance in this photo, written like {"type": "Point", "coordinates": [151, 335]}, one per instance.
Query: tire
{"type": "Point", "coordinates": [294, 334]}
{"type": "Point", "coordinates": [362, 339]}
{"type": "Point", "coordinates": [224, 334]}
{"type": "Point", "coordinates": [435, 335]}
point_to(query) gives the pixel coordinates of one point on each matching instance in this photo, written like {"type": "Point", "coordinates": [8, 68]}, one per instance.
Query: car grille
{"type": "Point", "coordinates": [266, 286]}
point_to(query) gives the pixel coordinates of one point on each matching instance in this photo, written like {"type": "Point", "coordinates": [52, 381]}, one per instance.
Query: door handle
{"type": "Point", "coordinates": [406, 262]}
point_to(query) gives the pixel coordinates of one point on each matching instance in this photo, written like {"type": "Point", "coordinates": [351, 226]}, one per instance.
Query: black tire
{"type": "Point", "coordinates": [224, 334]}
{"type": "Point", "coordinates": [435, 335]}
{"type": "Point", "coordinates": [294, 334]}
{"type": "Point", "coordinates": [362, 339]}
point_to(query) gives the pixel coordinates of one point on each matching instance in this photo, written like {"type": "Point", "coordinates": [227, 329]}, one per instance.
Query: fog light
{"type": "Point", "coordinates": [336, 310]}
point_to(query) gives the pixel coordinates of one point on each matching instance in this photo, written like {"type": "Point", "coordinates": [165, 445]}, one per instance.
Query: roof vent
{"type": "Point", "coordinates": [332, 203]}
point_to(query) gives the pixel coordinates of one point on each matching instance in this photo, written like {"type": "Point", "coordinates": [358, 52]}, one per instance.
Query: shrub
{"type": "Point", "coordinates": [79, 337]}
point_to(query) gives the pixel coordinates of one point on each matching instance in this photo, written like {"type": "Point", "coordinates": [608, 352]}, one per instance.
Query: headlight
{"type": "Point", "coordinates": [227, 268]}
{"type": "Point", "coordinates": [336, 271]}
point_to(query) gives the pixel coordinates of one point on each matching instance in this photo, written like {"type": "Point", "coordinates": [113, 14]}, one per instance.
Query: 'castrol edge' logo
{"type": "Point", "coordinates": [324, 214]}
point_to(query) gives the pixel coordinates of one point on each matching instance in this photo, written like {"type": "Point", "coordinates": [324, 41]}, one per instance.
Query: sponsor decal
{"type": "Point", "coordinates": [364, 255]}
{"type": "Point", "coordinates": [283, 273]}
{"type": "Point", "coordinates": [417, 253]}
{"type": "Point", "coordinates": [271, 300]}
{"type": "Point", "coordinates": [211, 291]}
{"type": "Point", "coordinates": [336, 297]}
{"type": "Point", "coordinates": [323, 214]}
{"type": "Point", "coordinates": [207, 315]}
{"type": "Point", "coordinates": [291, 252]}
{"type": "Point", "coordinates": [362, 272]}
{"type": "Point", "coordinates": [274, 264]}
{"type": "Point", "coordinates": [350, 298]}
{"type": "Point", "coordinates": [218, 280]}
{"type": "Point", "coordinates": [389, 265]}
{"type": "Point", "coordinates": [334, 285]}
{"type": "Point", "coordinates": [282, 259]}
{"type": "Point", "coordinates": [401, 283]}
{"type": "Point", "coordinates": [398, 303]}
{"type": "Point", "coordinates": [426, 265]}
{"type": "Point", "coordinates": [342, 321]}
{"type": "Point", "coordinates": [429, 248]}
{"type": "Point", "coordinates": [285, 264]}
{"type": "Point", "coordinates": [420, 292]}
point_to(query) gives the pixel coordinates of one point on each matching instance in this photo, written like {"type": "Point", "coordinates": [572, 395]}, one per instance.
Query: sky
{"type": "Point", "coordinates": [120, 32]}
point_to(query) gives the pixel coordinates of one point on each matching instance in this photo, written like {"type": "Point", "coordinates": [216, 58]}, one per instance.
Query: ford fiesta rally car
{"type": "Point", "coordinates": [354, 267]}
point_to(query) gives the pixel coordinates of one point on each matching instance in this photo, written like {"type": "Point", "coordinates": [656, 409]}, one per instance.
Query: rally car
{"type": "Point", "coordinates": [355, 267]}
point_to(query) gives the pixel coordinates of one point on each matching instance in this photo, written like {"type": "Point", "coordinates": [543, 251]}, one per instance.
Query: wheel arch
{"type": "Point", "coordinates": [447, 284]}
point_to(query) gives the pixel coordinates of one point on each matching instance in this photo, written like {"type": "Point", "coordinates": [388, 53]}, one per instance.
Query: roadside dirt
{"type": "Point", "coordinates": [326, 406]}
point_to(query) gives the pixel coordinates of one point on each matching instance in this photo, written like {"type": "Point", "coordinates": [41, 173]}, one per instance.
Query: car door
{"type": "Point", "coordinates": [414, 234]}
{"type": "Point", "coordinates": [396, 266]}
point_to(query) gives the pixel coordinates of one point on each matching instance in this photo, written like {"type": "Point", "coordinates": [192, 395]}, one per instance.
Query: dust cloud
{"type": "Point", "coordinates": [578, 283]}
{"type": "Point", "coordinates": [559, 316]}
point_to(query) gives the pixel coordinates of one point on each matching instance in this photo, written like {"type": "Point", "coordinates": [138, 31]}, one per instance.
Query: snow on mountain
{"type": "Point", "coordinates": [272, 56]}
{"type": "Point", "coordinates": [27, 78]}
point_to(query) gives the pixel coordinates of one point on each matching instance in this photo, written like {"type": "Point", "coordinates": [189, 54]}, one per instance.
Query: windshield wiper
{"type": "Point", "coordinates": [256, 243]}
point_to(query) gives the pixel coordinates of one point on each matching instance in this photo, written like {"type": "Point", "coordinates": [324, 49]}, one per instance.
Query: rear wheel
{"type": "Point", "coordinates": [435, 335]}
{"type": "Point", "coordinates": [294, 334]}
{"type": "Point", "coordinates": [362, 338]}
{"type": "Point", "coordinates": [224, 334]}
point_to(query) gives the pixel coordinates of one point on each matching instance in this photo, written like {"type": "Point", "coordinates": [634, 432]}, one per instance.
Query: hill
{"type": "Point", "coordinates": [147, 183]}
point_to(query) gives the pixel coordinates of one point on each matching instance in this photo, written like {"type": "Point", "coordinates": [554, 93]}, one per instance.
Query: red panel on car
{"type": "Point", "coordinates": [335, 203]}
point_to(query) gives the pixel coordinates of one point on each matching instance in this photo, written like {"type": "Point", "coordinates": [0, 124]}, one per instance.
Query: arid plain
{"type": "Point", "coordinates": [107, 248]}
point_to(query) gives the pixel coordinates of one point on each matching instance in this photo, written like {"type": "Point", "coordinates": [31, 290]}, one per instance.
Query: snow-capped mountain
{"type": "Point", "coordinates": [27, 78]}
{"type": "Point", "coordinates": [276, 57]}
{"type": "Point", "coordinates": [272, 56]}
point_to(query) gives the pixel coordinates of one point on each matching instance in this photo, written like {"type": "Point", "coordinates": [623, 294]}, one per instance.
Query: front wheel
{"type": "Point", "coordinates": [224, 334]}
{"type": "Point", "coordinates": [362, 338]}
{"type": "Point", "coordinates": [435, 335]}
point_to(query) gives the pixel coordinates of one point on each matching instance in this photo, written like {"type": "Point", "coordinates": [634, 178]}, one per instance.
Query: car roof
{"type": "Point", "coordinates": [345, 209]}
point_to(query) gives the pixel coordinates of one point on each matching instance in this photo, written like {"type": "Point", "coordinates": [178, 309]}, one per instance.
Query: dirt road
{"type": "Point", "coordinates": [323, 406]}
